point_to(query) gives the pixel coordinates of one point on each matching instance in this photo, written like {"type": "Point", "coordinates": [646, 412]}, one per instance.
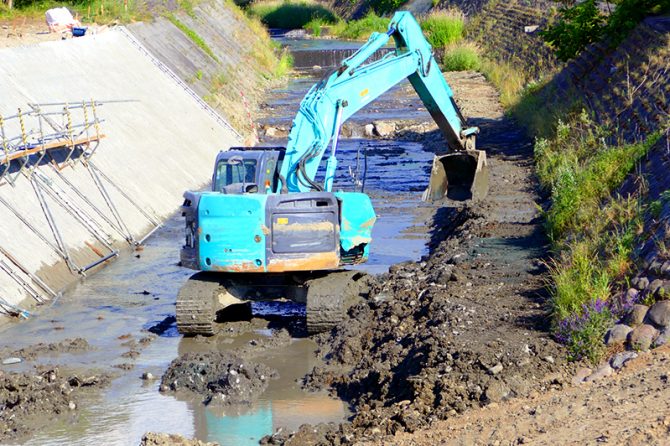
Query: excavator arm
{"type": "Point", "coordinates": [354, 85]}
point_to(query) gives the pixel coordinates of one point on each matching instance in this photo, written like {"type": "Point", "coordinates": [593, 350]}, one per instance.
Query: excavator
{"type": "Point", "coordinates": [273, 228]}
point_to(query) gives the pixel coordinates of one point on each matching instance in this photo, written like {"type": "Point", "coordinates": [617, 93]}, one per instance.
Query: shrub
{"type": "Point", "coordinates": [583, 332]}
{"type": "Point", "coordinates": [361, 29]}
{"type": "Point", "coordinates": [386, 6]}
{"type": "Point", "coordinates": [461, 58]}
{"type": "Point", "coordinates": [443, 28]}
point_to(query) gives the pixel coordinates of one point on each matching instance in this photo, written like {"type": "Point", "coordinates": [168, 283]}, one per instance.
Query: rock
{"type": "Point", "coordinates": [369, 130]}
{"type": "Point", "coordinates": [642, 283]}
{"type": "Point", "coordinates": [632, 294]}
{"type": "Point", "coordinates": [659, 313]}
{"type": "Point", "coordinates": [617, 334]}
{"type": "Point", "coordinates": [656, 286]}
{"type": "Point", "coordinates": [148, 376]}
{"type": "Point", "coordinates": [271, 132]}
{"type": "Point", "coordinates": [603, 371]}
{"type": "Point", "coordinates": [636, 315]}
{"type": "Point", "coordinates": [496, 369]}
{"type": "Point", "coordinates": [383, 128]}
{"type": "Point", "coordinates": [665, 269]}
{"type": "Point", "coordinates": [641, 337]}
{"type": "Point", "coordinates": [496, 391]}
{"type": "Point", "coordinates": [661, 339]}
{"type": "Point", "coordinates": [549, 359]}
{"type": "Point", "coordinates": [11, 361]}
{"type": "Point", "coordinates": [617, 361]}
{"type": "Point", "coordinates": [581, 375]}
{"type": "Point", "coordinates": [530, 29]}
{"type": "Point", "coordinates": [71, 405]}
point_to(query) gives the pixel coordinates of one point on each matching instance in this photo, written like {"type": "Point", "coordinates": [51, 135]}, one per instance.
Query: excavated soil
{"type": "Point", "coordinates": [31, 400]}
{"type": "Point", "coordinates": [464, 328]}
{"type": "Point", "coordinates": [222, 378]}
{"type": "Point", "coordinates": [630, 408]}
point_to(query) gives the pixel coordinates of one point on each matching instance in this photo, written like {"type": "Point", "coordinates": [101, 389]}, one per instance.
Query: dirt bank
{"type": "Point", "coordinates": [466, 327]}
{"type": "Point", "coordinates": [607, 411]}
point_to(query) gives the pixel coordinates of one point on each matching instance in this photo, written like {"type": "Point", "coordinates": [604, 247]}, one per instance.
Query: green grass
{"type": "Point", "coordinates": [443, 28]}
{"type": "Point", "coordinates": [593, 233]}
{"type": "Point", "coordinates": [290, 14]}
{"type": "Point", "coordinates": [362, 28]}
{"type": "Point", "coordinates": [191, 34]}
{"type": "Point", "coordinates": [461, 58]}
{"type": "Point", "coordinates": [88, 11]}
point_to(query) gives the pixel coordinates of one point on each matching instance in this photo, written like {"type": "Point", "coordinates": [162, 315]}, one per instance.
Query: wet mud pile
{"type": "Point", "coordinates": [221, 378]}
{"type": "Point", "coordinates": [29, 400]}
{"type": "Point", "coordinates": [75, 345]}
{"type": "Point", "coordinates": [156, 439]}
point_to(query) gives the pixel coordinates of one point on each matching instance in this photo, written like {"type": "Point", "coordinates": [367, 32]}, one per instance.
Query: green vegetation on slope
{"type": "Point", "coordinates": [592, 232]}
{"type": "Point", "coordinates": [88, 11]}
{"type": "Point", "coordinates": [583, 23]}
{"type": "Point", "coordinates": [191, 34]}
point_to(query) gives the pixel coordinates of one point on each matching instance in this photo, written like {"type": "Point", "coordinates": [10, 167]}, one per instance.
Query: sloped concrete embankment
{"type": "Point", "coordinates": [157, 145]}
{"type": "Point", "coordinates": [227, 58]}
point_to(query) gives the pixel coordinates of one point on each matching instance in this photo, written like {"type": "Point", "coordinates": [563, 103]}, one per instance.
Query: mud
{"type": "Point", "coordinates": [75, 345]}
{"type": "Point", "coordinates": [155, 439]}
{"type": "Point", "coordinates": [222, 378]}
{"type": "Point", "coordinates": [464, 328]}
{"type": "Point", "coordinates": [31, 400]}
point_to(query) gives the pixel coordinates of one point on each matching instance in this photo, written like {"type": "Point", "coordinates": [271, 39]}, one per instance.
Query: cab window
{"type": "Point", "coordinates": [235, 171]}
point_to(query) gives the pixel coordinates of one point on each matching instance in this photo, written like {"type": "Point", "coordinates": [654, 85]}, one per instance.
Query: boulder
{"type": "Point", "coordinates": [632, 294]}
{"type": "Point", "coordinates": [617, 361]}
{"type": "Point", "coordinates": [659, 313]}
{"type": "Point", "coordinates": [603, 370]}
{"type": "Point", "coordinates": [655, 286]}
{"type": "Point", "coordinates": [369, 130]}
{"type": "Point", "coordinates": [642, 336]}
{"type": "Point", "coordinates": [662, 338]}
{"type": "Point", "coordinates": [384, 128]}
{"type": "Point", "coordinates": [636, 315]}
{"type": "Point", "coordinates": [617, 334]}
{"type": "Point", "coordinates": [496, 391]}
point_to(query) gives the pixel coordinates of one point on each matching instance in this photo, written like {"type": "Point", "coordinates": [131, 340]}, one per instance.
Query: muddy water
{"type": "Point", "coordinates": [114, 308]}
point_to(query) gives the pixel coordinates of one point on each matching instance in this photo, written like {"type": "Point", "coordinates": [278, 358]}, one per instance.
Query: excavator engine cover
{"type": "Point", "coordinates": [458, 176]}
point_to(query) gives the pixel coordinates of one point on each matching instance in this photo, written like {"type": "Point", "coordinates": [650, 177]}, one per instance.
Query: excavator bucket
{"type": "Point", "coordinates": [458, 176]}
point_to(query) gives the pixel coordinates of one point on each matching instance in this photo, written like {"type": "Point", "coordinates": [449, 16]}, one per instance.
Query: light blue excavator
{"type": "Point", "coordinates": [269, 229]}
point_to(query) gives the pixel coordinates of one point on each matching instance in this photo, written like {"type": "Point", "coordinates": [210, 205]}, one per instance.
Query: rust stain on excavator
{"type": "Point", "coordinates": [244, 267]}
{"type": "Point", "coordinates": [305, 227]}
{"type": "Point", "coordinates": [308, 262]}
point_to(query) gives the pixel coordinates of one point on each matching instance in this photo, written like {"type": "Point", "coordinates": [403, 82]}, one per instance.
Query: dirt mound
{"type": "Point", "coordinates": [221, 377]}
{"type": "Point", "coordinates": [30, 399]}
{"type": "Point", "coordinates": [156, 439]}
{"type": "Point", "coordinates": [32, 352]}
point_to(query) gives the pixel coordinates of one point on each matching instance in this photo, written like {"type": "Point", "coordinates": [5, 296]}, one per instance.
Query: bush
{"type": "Point", "coordinates": [443, 28]}
{"type": "Point", "coordinates": [288, 14]}
{"type": "Point", "coordinates": [461, 58]}
{"type": "Point", "coordinates": [583, 332]}
{"type": "Point", "coordinates": [386, 6]}
{"type": "Point", "coordinates": [361, 29]}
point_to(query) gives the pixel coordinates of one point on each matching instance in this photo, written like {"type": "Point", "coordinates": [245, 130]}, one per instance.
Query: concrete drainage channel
{"type": "Point", "coordinates": [132, 303]}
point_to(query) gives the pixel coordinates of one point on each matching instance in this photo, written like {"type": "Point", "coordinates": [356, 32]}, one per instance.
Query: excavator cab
{"type": "Point", "coordinates": [243, 170]}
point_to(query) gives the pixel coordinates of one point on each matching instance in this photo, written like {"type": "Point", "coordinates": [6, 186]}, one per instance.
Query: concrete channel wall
{"type": "Point", "coordinates": [161, 141]}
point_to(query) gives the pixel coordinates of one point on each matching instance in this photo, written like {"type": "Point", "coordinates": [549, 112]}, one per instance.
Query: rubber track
{"type": "Point", "coordinates": [196, 306]}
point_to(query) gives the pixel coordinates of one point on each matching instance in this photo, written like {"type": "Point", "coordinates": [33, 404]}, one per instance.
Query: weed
{"type": "Point", "coordinates": [361, 29]}
{"type": "Point", "coordinates": [443, 28]}
{"type": "Point", "coordinates": [191, 34]}
{"type": "Point", "coordinates": [461, 57]}
{"type": "Point", "coordinates": [198, 74]}
{"type": "Point", "coordinates": [583, 332]}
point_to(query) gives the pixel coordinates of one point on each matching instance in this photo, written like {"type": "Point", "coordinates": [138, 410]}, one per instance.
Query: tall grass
{"type": "Point", "coordinates": [191, 34]}
{"type": "Point", "coordinates": [461, 57]}
{"type": "Point", "coordinates": [592, 233]}
{"type": "Point", "coordinates": [290, 14]}
{"type": "Point", "coordinates": [444, 28]}
{"type": "Point", "coordinates": [362, 28]}
{"type": "Point", "coordinates": [88, 11]}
